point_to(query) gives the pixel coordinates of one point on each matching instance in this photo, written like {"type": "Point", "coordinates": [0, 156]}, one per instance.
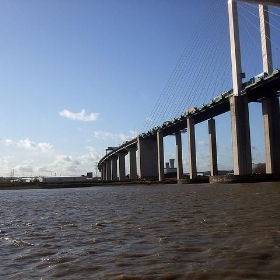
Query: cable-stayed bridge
{"type": "Point", "coordinates": [146, 151]}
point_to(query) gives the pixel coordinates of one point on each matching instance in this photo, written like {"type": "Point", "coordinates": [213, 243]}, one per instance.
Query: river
{"type": "Point", "coordinates": [223, 231]}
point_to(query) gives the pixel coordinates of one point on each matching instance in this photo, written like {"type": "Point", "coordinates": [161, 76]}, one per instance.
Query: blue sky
{"type": "Point", "coordinates": [78, 76]}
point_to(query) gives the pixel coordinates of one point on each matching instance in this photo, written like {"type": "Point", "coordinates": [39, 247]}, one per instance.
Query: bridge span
{"type": "Point", "coordinates": [149, 162]}
{"type": "Point", "coordinates": [148, 144]}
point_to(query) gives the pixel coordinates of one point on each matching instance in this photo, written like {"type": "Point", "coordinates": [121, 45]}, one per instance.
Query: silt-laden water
{"type": "Point", "coordinates": [142, 232]}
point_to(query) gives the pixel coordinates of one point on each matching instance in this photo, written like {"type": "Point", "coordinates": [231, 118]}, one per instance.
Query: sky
{"type": "Point", "coordinates": [78, 76]}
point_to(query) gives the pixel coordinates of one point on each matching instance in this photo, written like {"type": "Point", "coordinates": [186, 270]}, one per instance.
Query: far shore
{"type": "Point", "coordinates": [225, 179]}
{"type": "Point", "coordinates": [31, 185]}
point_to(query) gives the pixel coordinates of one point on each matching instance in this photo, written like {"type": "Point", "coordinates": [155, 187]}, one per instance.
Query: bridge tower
{"type": "Point", "coordinates": [239, 105]}
{"type": "Point", "coordinates": [270, 104]}
{"type": "Point", "coordinates": [241, 141]}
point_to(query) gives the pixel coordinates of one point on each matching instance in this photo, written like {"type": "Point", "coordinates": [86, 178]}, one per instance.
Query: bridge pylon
{"type": "Point", "coordinates": [270, 105]}
{"type": "Point", "coordinates": [240, 126]}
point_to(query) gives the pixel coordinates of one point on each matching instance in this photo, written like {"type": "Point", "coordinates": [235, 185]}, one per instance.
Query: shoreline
{"type": "Point", "coordinates": [220, 179]}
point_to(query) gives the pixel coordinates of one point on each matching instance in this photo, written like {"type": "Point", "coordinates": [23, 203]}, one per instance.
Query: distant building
{"type": "Point", "coordinates": [259, 168]}
{"type": "Point", "coordinates": [65, 179]}
{"type": "Point", "coordinates": [60, 179]}
{"type": "Point", "coordinates": [169, 167]}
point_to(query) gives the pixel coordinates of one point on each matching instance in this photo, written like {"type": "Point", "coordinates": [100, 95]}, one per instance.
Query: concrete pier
{"type": "Point", "coordinates": [271, 120]}
{"type": "Point", "coordinates": [160, 156]}
{"type": "Point", "coordinates": [192, 148]}
{"type": "Point", "coordinates": [108, 170]}
{"type": "Point", "coordinates": [179, 161]}
{"type": "Point", "coordinates": [147, 158]}
{"type": "Point", "coordinates": [114, 168]}
{"type": "Point", "coordinates": [121, 158]}
{"type": "Point", "coordinates": [132, 163]}
{"type": "Point", "coordinates": [241, 141]}
{"type": "Point", "coordinates": [213, 147]}
{"type": "Point", "coordinates": [103, 172]}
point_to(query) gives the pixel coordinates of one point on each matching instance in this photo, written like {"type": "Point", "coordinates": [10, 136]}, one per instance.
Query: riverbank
{"type": "Point", "coordinates": [249, 178]}
{"type": "Point", "coordinates": [31, 185]}
{"type": "Point", "coordinates": [228, 179]}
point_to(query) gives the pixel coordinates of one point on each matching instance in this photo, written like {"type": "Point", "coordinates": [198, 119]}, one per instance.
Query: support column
{"type": "Point", "coordinates": [160, 156]}
{"type": "Point", "coordinates": [192, 148]}
{"type": "Point", "coordinates": [108, 170]}
{"type": "Point", "coordinates": [179, 161]}
{"type": "Point", "coordinates": [270, 104]}
{"type": "Point", "coordinates": [213, 147]}
{"type": "Point", "coordinates": [103, 172]}
{"type": "Point", "coordinates": [114, 167]}
{"type": "Point", "coordinates": [121, 157]}
{"type": "Point", "coordinates": [271, 120]}
{"type": "Point", "coordinates": [147, 158]}
{"type": "Point", "coordinates": [241, 141]}
{"type": "Point", "coordinates": [132, 162]}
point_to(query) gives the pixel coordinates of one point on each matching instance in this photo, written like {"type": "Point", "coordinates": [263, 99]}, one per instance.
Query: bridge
{"type": "Point", "coordinates": [264, 88]}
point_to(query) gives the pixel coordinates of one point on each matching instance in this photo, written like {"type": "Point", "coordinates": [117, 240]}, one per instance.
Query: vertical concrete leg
{"type": "Point", "coordinates": [160, 156]}
{"type": "Point", "coordinates": [103, 172]}
{"type": "Point", "coordinates": [114, 167]}
{"type": "Point", "coordinates": [132, 163]}
{"type": "Point", "coordinates": [240, 129]}
{"type": "Point", "coordinates": [108, 171]}
{"type": "Point", "coordinates": [147, 158]}
{"type": "Point", "coordinates": [192, 148]}
{"type": "Point", "coordinates": [213, 147]}
{"type": "Point", "coordinates": [121, 166]}
{"type": "Point", "coordinates": [179, 161]}
{"type": "Point", "coordinates": [271, 120]}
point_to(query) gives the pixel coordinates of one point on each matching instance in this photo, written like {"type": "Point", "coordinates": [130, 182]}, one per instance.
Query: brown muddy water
{"type": "Point", "coordinates": [142, 232]}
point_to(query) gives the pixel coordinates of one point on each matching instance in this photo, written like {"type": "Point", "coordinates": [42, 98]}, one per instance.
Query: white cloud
{"type": "Point", "coordinates": [23, 169]}
{"type": "Point", "coordinates": [79, 116]}
{"type": "Point", "coordinates": [45, 147]}
{"type": "Point", "coordinates": [114, 136]}
{"type": "Point", "coordinates": [7, 142]}
{"type": "Point", "coordinates": [29, 145]}
{"type": "Point", "coordinates": [44, 169]}
{"type": "Point", "coordinates": [66, 165]}
{"type": "Point", "coordinates": [65, 160]}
